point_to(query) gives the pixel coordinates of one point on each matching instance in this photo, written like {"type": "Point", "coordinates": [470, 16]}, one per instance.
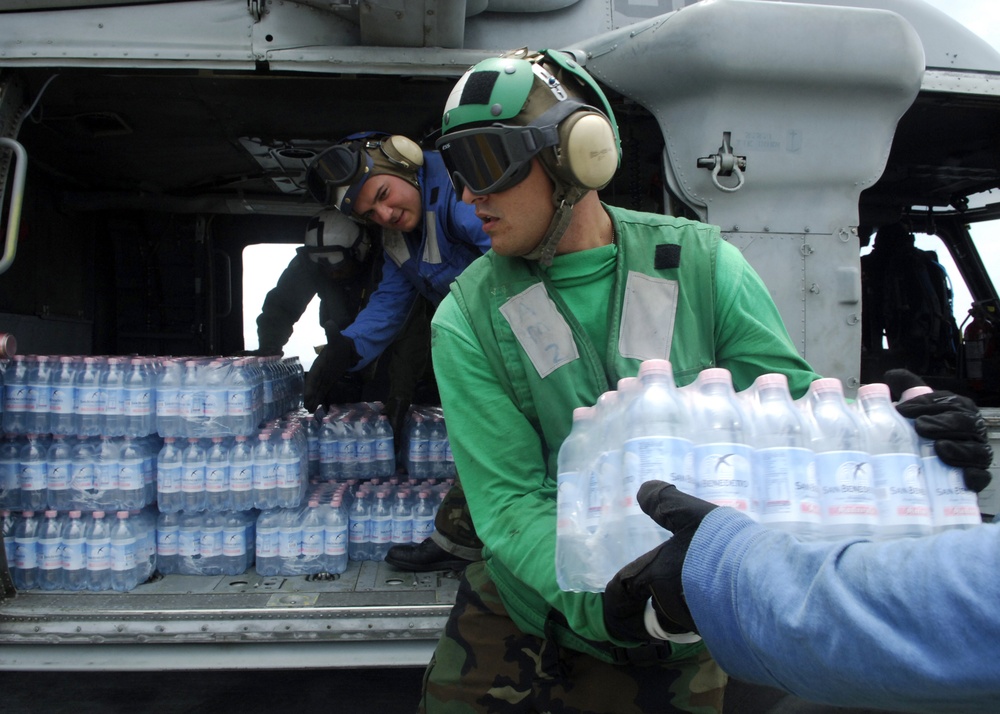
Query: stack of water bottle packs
{"type": "Point", "coordinates": [82, 435]}
{"type": "Point", "coordinates": [357, 506]}
{"type": "Point", "coordinates": [345, 521]}
{"type": "Point", "coordinates": [820, 467]}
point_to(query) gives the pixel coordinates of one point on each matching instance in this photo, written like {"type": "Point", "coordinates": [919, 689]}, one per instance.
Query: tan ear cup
{"type": "Point", "coordinates": [588, 149]}
{"type": "Point", "coordinates": [403, 151]}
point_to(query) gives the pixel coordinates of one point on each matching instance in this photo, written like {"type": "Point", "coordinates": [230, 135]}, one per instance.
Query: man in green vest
{"type": "Point", "coordinates": [572, 297]}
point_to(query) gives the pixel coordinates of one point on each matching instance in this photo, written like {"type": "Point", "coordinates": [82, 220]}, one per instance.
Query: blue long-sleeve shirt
{"type": "Point", "coordinates": [424, 261]}
{"type": "Point", "coordinates": [910, 624]}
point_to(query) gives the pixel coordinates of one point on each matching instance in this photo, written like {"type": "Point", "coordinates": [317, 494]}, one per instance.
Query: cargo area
{"type": "Point", "coordinates": [164, 139]}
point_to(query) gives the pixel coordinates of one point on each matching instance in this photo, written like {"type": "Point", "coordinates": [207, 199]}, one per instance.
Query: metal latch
{"type": "Point", "coordinates": [725, 163]}
{"type": "Point", "coordinates": [255, 9]}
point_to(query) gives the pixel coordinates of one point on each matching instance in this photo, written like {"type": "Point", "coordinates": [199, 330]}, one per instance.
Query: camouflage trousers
{"type": "Point", "coordinates": [453, 528]}
{"type": "Point", "coordinates": [485, 663]}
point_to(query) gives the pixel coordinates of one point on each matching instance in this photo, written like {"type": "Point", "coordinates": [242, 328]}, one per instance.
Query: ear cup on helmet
{"type": "Point", "coordinates": [588, 150]}
{"type": "Point", "coordinates": [403, 151]}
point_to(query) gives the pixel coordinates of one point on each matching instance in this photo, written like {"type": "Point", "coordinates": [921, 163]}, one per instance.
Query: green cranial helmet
{"type": "Point", "coordinates": [507, 110]}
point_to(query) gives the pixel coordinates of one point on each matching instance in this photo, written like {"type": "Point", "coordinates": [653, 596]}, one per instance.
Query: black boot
{"type": "Point", "coordinates": [424, 557]}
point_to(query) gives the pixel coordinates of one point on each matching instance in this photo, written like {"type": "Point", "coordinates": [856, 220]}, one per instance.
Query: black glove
{"type": "Point", "coordinates": [331, 363]}
{"type": "Point", "coordinates": [954, 423]}
{"type": "Point", "coordinates": [657, 574]}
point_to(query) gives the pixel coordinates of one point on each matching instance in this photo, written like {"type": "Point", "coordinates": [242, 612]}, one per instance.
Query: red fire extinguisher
{"type": "Point", "coordinates": [980, 343]}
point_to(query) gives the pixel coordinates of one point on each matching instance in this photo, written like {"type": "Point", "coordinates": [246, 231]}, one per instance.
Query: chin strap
{"type": "Point", "coordinates": [564, 200]}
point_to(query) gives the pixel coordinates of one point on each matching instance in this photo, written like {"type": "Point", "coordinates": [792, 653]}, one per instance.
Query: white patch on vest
{"type": "Point", "coordinates": [541, 330]}
{"type": "Point", "coordinates": [395, 247]}
{"type": "Point", "coordinates": [432, 251]}
{"type": "Point", "coordinates": [648, 315]}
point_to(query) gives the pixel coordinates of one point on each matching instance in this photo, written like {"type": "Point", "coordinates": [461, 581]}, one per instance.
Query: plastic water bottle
{"type": "Point", "coordinates": [83, 485]}
{"type": "Point", "coordinates": [169, 476]}
{"type": "Point", "coordinates": [240, 395]}
{"type": "Point", "coordinates": [189, 544]}
{"type": "Point", "coordinates": [139, 401]}
{"type": "Point", "coordinates": [347, 448]}
{"type": "Point", "coordinates": [385, 448]}
{"type": "Point", "coordinates": [15, 401]}
{"type": "Point", "coordinates": [40, 369]}
{"type": "Point", "coordinates": [381, 525]}
{"type": "Point", "coordinates": [234, 542]}
{"type": "Point", "coordinates": [401, 531]}
{"type": "Point", "coordinates": [241, 494]}
{"type": "Point", "coordinates": [33, 476]}
{"type": "Point", "coordinates": [88, 397]}
{"type": "Point", "coordinates": [843, 466]}
{"type": "Point", "coordinates": [419, 445]}
{"type": "Point", "coordinates": [327, 444]}
{"type": "Point", "coordinates": [900, 487]}
{"type": "Point", "coordinates": [168, 398]}
{"type": "Point", "coordinates": [8, 524]}
{"type": "Point", "coordinates": [268, 560]}
{"type": "Point", "coordinates": [107, 455]}
{"type": "Point", "coordinates": [10, 472]}
{"type": "Point", "coordinates": [62, 419]}
{"type": "Point", "coordinates": [214, 378]}
{"type": "Point", "coordinates": [954, 505]}
{"type": "Point", "coordinates": [364, 441]}
{"type": "Point", "coordinates": [784, 468]}
{"type": "Point", "coordinates": [335, 536]}
{"type": "Point", "coordinates": [194, 465]}
{"type": "Point", "coordinates": [26, 551]}
{"type": "Point", "coordinates": [112, 396]}
{"type": "Point", "coordinates": [131, 479]}
{"type": "Point", "coordinates": [50, 573]}
{"type": "Point", "coordinates": [167, 537]}
{"type": "Point", "coordinates": [265, 472]}
{"type": "Point", "coordinates": [574, 554]}
{"type": "Point", "coordinates": [423, 517]}
{"type": "Point", "coordinates": [359, 527]}
{"type": "Point", "coordinates": [289, 540]}
{"type": "Point", "coordinates": [657, 447]}
{"type": "Point", "coordinates": [74, 553]}
{"type": "Point", "coordinates": [191, 399]}
{"type": "Point", "coordinates": [210, 544]}
{"type": "Point", "coordinates": [437, 443]}
{"type": "Point", "coordinates": [722, 454]}
{"type": "Point", "coordinates": [313, 558]}
{"type": "Point", "coordinates": [289, 477]}
{"type": "Point", "coordinates": [98, 539]}
{"type": "Point", "coordinates": [59, 473]}
{"type": "Point", "coordinates": [124, 553]}
{"type": "Point", "coordinates": [217, 494]}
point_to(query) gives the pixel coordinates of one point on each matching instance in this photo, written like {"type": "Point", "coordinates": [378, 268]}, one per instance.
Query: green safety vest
{"type": "Point", "coordinates": [549, 366]}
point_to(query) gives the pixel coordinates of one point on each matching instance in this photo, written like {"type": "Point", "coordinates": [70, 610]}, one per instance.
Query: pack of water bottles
{"type": "Point", "coordinates": [342, 522]}
{"type": "Point", "coordinates": [225, 396]}
{"type": "Point", "coordinates": [39, 471]}
{"type": "Point", "coordinates": [80, 551]}
{"type": "Point", "coordinates": [268, 470]}
{"type": "Point", "coordinates": [136, 396]}
{"type": "Point", "coordinates": [353, 441]}
{"type": "Point", "coordinates": [427, 448]}
{"type": "Point", "coordinates": [817, 467]}
{"type": "Point", "coordinates": [205, 543]}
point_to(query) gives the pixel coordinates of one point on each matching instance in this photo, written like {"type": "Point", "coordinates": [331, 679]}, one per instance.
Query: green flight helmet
{"type": "Point", "coordinates": [506, 110]}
